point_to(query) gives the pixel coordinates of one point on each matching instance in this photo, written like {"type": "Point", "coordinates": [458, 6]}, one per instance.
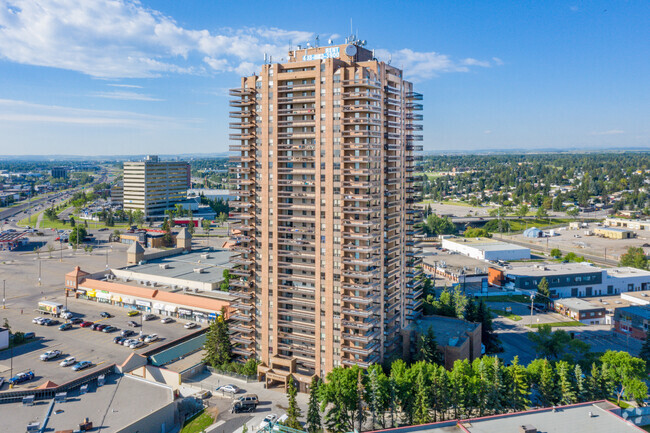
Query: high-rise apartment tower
{"type": "Point", "coordinates": [154, 186]}
{"type": "Point", "coordinates": [325, 188]}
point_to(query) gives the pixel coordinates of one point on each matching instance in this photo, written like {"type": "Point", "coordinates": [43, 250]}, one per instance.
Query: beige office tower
{"type": "Point", "coordinates": [325, 187]}
{"type": "Point", "coordinates": [153, 186]}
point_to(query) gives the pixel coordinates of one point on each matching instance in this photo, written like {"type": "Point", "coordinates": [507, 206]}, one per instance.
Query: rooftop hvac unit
{"type": "Point", "coordinates": [199, 270]}
{"type": "Point", "coordinates": [527, 429]}
{"type": "Point", "coordinates": [163, 265]}
{"type": "Point", "coordinates": [205, 256]}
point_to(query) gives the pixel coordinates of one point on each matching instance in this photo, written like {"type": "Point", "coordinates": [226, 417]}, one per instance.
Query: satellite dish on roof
{"type": "Point", "coordinates": [330, 41]}
{"type": "Point", "coordinates": [351, 50]}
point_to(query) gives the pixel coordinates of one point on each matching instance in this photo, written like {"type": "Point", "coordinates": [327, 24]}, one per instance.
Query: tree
{"type": "Point", "coordinates": [225, 284]}
{"type": "Point", "coordinates": [543, 290]}
{"type": "Point", "coordinates": [519, 385]}
{"type": "Point", "coordinates": [427, 348]}
{"type": "Point", "coordinates": [522, 210]}
{"type": "Point", "coordinates": [573, 212]}
{"type": "Point", "coordinates": [190, 225]}
{"type": "Point", "coordinates": [77, 235]}
{"type": "Point", "coordinates": [138, 217]}
{"type": "Point", "coordinates": [218, 349]}
{"type": "Point", "coordinates": [377, 394]}
{"type": "Point", "coordinates": [476, 233]}
{"type": "Point", "coordinates": [557, 344]}
{"type": "Point", "coordinates": [293, 411]}
{"type": "Point", "coordinates": [436, 225]}
{"type": "Point", "coordinates": [541, 213]}
{"type": "Point", "coordinates": [547, 387]}
{"type": "Point", "coordinates": [626, 373]}
{"type": "Point", "coordinates": [206, 228]}
{"type": "Point", "coordinates": [422, 399]}
{"type": "Point", "coordinates": [566, 385]}
{"type": "Point", "coordinates": [72, 222]}
{"type": "Point", "coordinates": [340, 399]}
{"type": "Point", "coordinates": [556, 253]}
{"type": "Point", "coordinates": [222, 218]}
{"type": "Point", "coordinates": [313, 412]}
{"type": "Point", "coordinates": [635, 258]}
{"type": "Point", "coordinates": [244, 429]}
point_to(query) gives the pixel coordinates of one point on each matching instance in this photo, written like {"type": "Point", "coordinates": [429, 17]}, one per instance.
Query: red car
{"type": "Point", "coordinates": [85, 324]}
{"type": "Point", "coordinates": [100, 327]}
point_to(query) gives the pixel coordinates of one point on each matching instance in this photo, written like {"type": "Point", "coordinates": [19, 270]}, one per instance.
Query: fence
{"type": "Point", "coordinates": [248, 379]}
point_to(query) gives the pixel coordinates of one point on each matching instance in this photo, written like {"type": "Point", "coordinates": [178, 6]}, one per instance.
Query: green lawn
{"type": "Point", "coordinates": [510, 316]}
{"type": "Point", "coordinates": [521, 224]}
{"type": "Point", "coordinates": [558, 324]}
{"type": "Point", "coordinates": [429, 174]}
{"type": "Point", "coordinates": [198, 423]}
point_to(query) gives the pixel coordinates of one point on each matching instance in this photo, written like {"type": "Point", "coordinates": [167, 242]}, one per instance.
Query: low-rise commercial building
{"type": "Point", "coordinates": [632, 321]}
{"type": "Point", "coordinates": [613, 233]}
{"type": "Point", "coordinates": [633, 224]}
{"type": "Point", "coordinates": [581, 310]}
{"type": "Point", "coordinates": [10, 240]}
{"type": "Point", "coordinates": [570, 280]}
{"type": "Point", "coordinates": [457, 338]}
{"type": "Point", "coordinates": [486, 249]}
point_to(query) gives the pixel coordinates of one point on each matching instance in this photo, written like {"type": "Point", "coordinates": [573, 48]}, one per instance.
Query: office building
{"type": "Point", "coordinates": [59, 172]}
{"type": "Point", "coordinates": [153, 186]}
{"type": "Point", "coordinates": [325, 188]}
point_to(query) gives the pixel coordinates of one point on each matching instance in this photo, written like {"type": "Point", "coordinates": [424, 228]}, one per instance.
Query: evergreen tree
{"type": "Point", "coordinates": [543, 290]}
{"type": "Point", "coordinates": [313, 412]}
{"type": "Point", "coordinates": [218, 349]}
{"type": "Point", "coordinates": [566, 385]}
{"type": "Point", "coordinates": [427, 348]}
{"type": "Point", "coordinates": [581, 384]}
{"type": "Point", "coordinates": [293, 412]}
{"type": "Point", "coordinates": [422, 401]}
{"type": "Point", "coordinates": [547, 386]}
{"type": "Point", "coordinates": [519, 386]}
{"type": "Point", "coordinates": [377, 394]}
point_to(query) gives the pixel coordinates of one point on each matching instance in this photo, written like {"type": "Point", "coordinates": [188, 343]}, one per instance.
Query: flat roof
{"type": "Point", "coordinates": [12, 236]}
{"type": "Point", "coordinates": [612, 229]}
{"type": "Point", "coordinates": [445, 328]}
{"type": "Point", "coordinates": [114, 406]}
{"type": "Point", "coordinates": [181, 266]}
{"type": "Point", "coordinates": [453, 263]}
{"type": "Point", "coordinates": [577, 304]}
{"type": "Point", "coordinates": [637, 310]}
{"type": "Point", "coordinates": [544, 269]}
{"type": "Point", "coordinates": [485, 244]}
{"type": "Point", "coordinates": [592, 417]}
{"type": "Point", "coordinates": [610, 302]}
{"type": "Point", "coordinates": [626, 271]}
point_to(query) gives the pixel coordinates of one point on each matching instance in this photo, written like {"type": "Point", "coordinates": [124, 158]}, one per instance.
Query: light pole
{"type": "Point", "coordinates": [532, 298]}
{"type": "Point", "coordinates": [39, 272]}
{"type": "Point", "coordinates": [3, 294]}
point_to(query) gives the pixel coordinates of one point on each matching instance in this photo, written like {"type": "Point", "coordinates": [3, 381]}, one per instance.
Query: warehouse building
{"type": "Point", "coordinates": [628, 223]}
{"type": "Point", "coordinates": [613, 233]}
{"type": "Point", "coordinates": [485, 249]}
{"type": "Point", "coordinates": [581, 310]}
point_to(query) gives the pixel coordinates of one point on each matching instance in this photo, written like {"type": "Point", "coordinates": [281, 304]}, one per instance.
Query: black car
{"type": "Point", "coordinates": [118, 340]}
{"type": "Point", "coordinates": [76, 320]}
{"type": "Point", "coordinates": [105, 315]}
{"type": "Point", "coordinates": [52, 322]}
{"type": "Point", "coordinates": [127, 333]}
{"type": "Point", "coordinates": [132, 323]}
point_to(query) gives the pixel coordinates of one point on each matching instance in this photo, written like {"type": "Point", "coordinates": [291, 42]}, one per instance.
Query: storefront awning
{"type": "Point", "coordinates": [142, 303]}
{"type": "Point", "coordinates": [81, 291]}
{"type": "Point", "coordinates": [184, 311]}
{"type": "Point", "coordinates": [116, 298]}
{"type": "Point", "coordinates": [101, 295]}
{"type": "Point", "coordinates": [170, 308]}
{"type": "Point", "coordinates": [128, 300]}
{"type": "Point", "coordinates": [199, 314]}
{"type": "Point", "coordinates": [212, 316]}
{"type": "Point", "coordinates": [90, 293]}
{"type": "Point", "coordinates": [158, 306]}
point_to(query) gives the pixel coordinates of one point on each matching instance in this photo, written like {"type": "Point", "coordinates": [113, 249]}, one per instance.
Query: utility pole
{"type": "Point", "coordinates": [532, 298]}
{"type": "Point", "coordinates": [3, 294]}
{"type": "Point", "coordinates": [39, 272]}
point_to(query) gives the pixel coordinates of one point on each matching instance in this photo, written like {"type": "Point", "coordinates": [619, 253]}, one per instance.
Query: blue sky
{"type": "Point", "coordinates": [128, 77]}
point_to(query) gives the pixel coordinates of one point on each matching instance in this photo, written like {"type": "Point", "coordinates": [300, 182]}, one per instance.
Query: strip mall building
{"type": "Point", "coordinates": [147, 297]}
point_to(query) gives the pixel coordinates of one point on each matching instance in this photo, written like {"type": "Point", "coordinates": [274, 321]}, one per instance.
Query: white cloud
{"type": "Point", "coordinates": [610, 132]}
{"type": "Point", "coordinates": [125, 96]}
{"type": "Point", "coordinates": [26, 112]}
{"type": "Point", "coordinates": [128, 86]}
{"type": "Point", "coordinates": [487, 131]}
{"type": "Point", "coordinates": [124, 39]}
{"type": "Point", "coordinates": [420, 66]}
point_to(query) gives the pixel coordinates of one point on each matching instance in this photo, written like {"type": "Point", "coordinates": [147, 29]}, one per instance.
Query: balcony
{"type": "Point", "coordinates": [414, 116]}
{"type": "Point", "coordinates": [296, 99]}
{"type": "Point", "coordinates": [360, 121]}
{"type": "Point", "coordinates": [242, 102]}
{"type": "Point", "coordinates": [241, 114]}
{"type": "Point", "coordinates": [359, 350]}
{"type": "Point", "coordinates": [363, 275]}
{"type": "Point", "coordinates": [365, 288]}
{"type": "Point", "coordinates": [296, 87]}
{"type": "Point", "coordinates": [361, 338]}
{"type": "Point", "coordinates": [246, 91]}
{"type": "Point", "coordinates": [415, 137]}
{"type": "Point", "coordinates": [375, 96]}
{"type": "Point", "coordinates": [241, 125]}
{"type": "Point", "coordinates": [413, 106]}
{"type": "Point", "coordinates": [414, 96]}
{"type": "Point", "coordinates": [365, 82]}
{"type": "Point", "coordinates": [362, 108]}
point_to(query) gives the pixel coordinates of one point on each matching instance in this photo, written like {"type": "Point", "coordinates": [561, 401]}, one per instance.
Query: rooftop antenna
{"type": "Point", "coordinates": [317, 40]}
{"type": "Point", "coordinates": [330, 41]}
{"type": "Point", "coordinates": [264, 58]}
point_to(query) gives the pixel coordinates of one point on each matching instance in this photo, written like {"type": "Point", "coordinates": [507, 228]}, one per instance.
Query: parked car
{"type": "Point", "coordinates": [238, 406]}
{"type": "Point", "coordinates": [37, 320]}
{"type": "Point", "coordinates": [233, 389]}
{"type": "Point", "coordinates": [109, 328]}
{"type": "Point", "coordinates": [126, 333]}
{"type": "Point", "coordinates": [127, 342]}
{"type": "Point", "coordinates": [65, 326]}
{"type": "Point", "coordinates": [68, 361]}
{"type": "Point", "coordinates": [29, 335]}
{"type": "Point", "coordinates": [105, 315]}
{"type": "Point", "coordinates": [269, 419]}
{"type": "Point", "coordinates": [249, 399]}
{"type": "Point", "coordinates": [132, 323]}
{"type": "Point", "coordinates": [66, 315]}
{"type": "Point", "coordinates": [50, 354]}
{"type": "Point", "coordinates": [151, 338]}
{"type": "Point", "coordinates": [136, 345]}
{"type": "Point", "coordinates": [100, 326]}
{"type": "Point", "coordinates": [51, 322]}
{"type": "Point", "coordinates": [45, 321]}
{"type": "Point", "coordinates": [21, 377]}
{"type": "Point", "coordinates": [118, 340]}
{"type": "Point", "coordinates": [190, 325]}
{"type": "Point", "coordinates": [148, 316]}
{"type": "Point", "coordinates": [86, 324]}
{"type": "Point", "coordinates": [81, 365]}
{"type": "Point", "coordinates": [132, 313]}
{"type": "Point", "coordinates": [76, 320]}
{"type": "Point", "coordinates": [166, 320]}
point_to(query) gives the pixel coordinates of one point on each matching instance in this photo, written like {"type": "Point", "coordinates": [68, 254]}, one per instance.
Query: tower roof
{"type": "Point", "coordinates": [135, 248]}
{"type": "Point", "coordinates": [184, 234]}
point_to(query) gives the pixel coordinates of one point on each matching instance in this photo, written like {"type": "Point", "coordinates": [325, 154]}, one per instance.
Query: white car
{"type": "Point", "coordinates": [269, 419]}
{"type": "Point", "coordinates": [151, 338]}
{"type": "Point", "coordinates": [70, 360]}
{"type": "Point", "coordinates": [148, 317]}
{"type": "Point", "coordinates": [66, 315]}
{"type": "Point", "coordinates": [190, 325]}
{"type": "Point", "coordinates": [166, 320]}
{"type": "Point", "coordinates": [136, 344]}
{"type": "Point", "coordinates": [37, 320]}
{"type": "Point", "coordinates": [50, 354]}
{"type": "Point", "coordinates": [128, 342]}
{"type": "Point", "coordinates": [233, 389]}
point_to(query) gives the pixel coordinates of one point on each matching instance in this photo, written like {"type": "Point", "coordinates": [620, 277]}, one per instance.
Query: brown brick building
{"type": "Point", "coordinates": [325, 186]}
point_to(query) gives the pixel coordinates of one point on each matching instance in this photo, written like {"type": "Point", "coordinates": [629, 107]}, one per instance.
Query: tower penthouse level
{"type": "Point", "coordinates": [325, 187]}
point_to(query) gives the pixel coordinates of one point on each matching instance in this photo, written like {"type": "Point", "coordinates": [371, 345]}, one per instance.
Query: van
{"type": "Point", "coordinates": [29, 335]}
{"type": "Point", "coordinates": [239, 406]}
{"type": "Point", "coordinates": [249, 399]}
